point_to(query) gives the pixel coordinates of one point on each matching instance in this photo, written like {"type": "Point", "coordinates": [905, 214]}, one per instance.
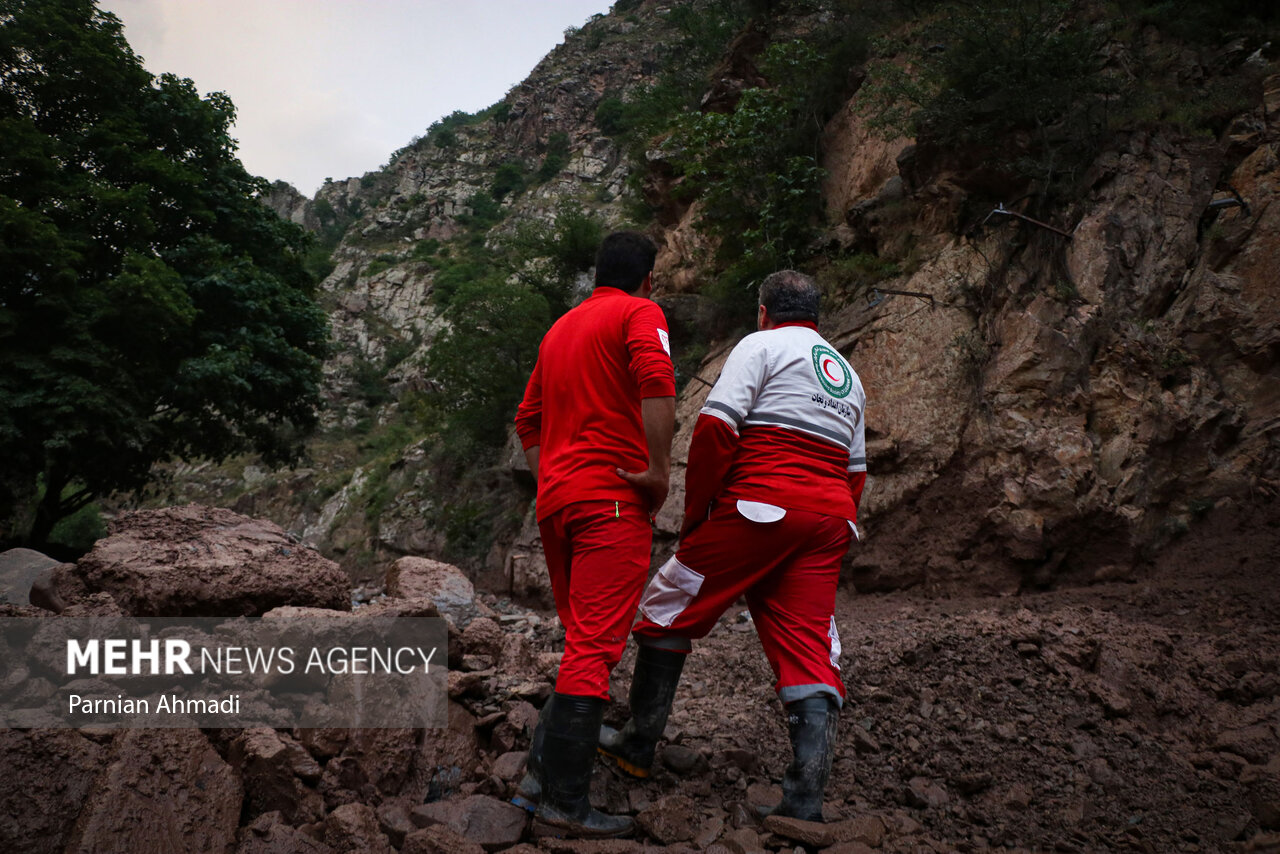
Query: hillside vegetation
{"type": "Point", "coordinates": [1038, 223]}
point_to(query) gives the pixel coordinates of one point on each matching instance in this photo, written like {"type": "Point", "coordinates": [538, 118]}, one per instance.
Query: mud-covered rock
{"type": "Point", "coordinates": [19, 570]}
{"type": "Point", "coordinates": [353, 829]}
{"type": "Point", "coordinates": [195, 561]}
{"type": "Point", "coordinates": [492, 823]}
{"type": "Point", "coordinates": [134, 803]}
{"type": "Point", "coordinates": [441, 584]}
{"type": "Point", "coordinates": [270, 834]}
{"type": "Point", "coordinates": [439, 839]}
{"type": "Point", "coordinates": [47, 777]}
{"type": "Point", "coordinates": [275, 771]}
{"type": "Point", "coordinates": [669, 820]}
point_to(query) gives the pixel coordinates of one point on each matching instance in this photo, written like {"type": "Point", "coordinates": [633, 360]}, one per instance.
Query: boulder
{"type": "Point", "coordinates": [195, 561]}
{"type": "Point", "coordinates": [19, 569]}
{"type": "Point", "coordinates": [492, 823]}
{"type": "Point", "coordinates": [272, 768]}
{"type": "Point", "coordinates": [439, 839]}
{"type": "Point", "coordinates": [354, 828]}
{"type": "Point", "coordinates": [269, 834]}
{"type": "Point", "coordinates": [442, 584]}
{"type": "Point", "coordinates": [131, 807]}
{"type": "Point", "coordinates": [47, 777]}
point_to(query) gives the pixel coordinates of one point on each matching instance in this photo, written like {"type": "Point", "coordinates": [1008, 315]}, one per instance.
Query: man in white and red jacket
{"type": "Point", "coordinates": [596, 424]}
{"type": "Point", "coordinates": [776, 471]}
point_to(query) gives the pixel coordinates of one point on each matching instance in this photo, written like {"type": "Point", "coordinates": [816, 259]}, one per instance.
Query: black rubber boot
{"type": "Point", "coordinates": [529, 792]}
{"type": "Point", "coordinates": [811, 723]}
{"type": "Point", "coordinates": [568, 755]}
{"type": "Point", "coordinates": [653, 689]}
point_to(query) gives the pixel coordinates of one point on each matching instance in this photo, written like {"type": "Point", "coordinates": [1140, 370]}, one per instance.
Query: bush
{"type": "Point", "coordinates": [611, 116]}
{"type": "Point", "coordinates": [556, 158]}
{"type": "Point", "coordinates": [484, 358]}
{"type": "Point", "coordinates": [508, 179]}
{"type": "Point", "coordinates": [566, 249]}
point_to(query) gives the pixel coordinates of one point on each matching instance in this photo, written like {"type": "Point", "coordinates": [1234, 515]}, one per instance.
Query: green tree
{"type": "Point", "coordinates": [549, 257]}
{"type": "Point", "coordinates": [482, 361]}
{"type": "Point", "coordinates": [150, 306]}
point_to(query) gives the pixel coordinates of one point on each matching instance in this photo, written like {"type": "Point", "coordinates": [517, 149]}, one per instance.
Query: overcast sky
{"type": "Point", "coordinates": [330, 88]}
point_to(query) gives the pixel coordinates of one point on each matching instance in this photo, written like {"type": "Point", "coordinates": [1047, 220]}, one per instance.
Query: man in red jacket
{"type": "Point", "coordinates": [596, 425]}
{"type": "Point", "coordinates": [776, 471]}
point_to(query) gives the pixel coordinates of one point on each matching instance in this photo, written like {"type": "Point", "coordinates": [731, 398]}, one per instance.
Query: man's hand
{"type": "Point", "coordinates": [659, 417]}
{"type": "Point", "coordinates": [655, 484]}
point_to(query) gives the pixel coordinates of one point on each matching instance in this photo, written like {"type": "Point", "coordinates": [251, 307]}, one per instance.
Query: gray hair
{"type": "Point", "coordinates": [790, 296]}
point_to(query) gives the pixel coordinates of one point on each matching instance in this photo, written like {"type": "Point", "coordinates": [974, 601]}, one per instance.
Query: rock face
{"type": "Point", "coordinates": [197, 561]}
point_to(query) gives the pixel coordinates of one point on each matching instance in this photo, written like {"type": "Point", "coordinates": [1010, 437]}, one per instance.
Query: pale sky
{"type": "Point", "coordinates": [330, 88]}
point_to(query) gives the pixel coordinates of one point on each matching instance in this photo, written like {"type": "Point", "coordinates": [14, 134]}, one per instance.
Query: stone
{"type": "Point", "coordinates": [589, 846]}
{"type": "Point", "coordinates": [439, 839]}
{"type": "Point", "coordinates": [709, 831]}
{"type": "Point", "coordinates": [19, 569]}
{"type": "Point", "coordinates": [394, 820]}
{"type": "Point", "coordinates": [682, 760]}
{"type": "Point", "coordinates": [269, 834]}
{"type": "Point", "coordinates": [923, 792]}
{"type": "Point", "coordinates": [442, 584]}
{"type": "Point", "coordinates": [483, 637]}
{"type": "Point", "coordinates": [131, 806]}
{"type": "Point", "coordinates": [353, 829]}
{"type": "Point", "coordinates": [492, 823]}
{"type": "Point", "coordinates": [670, 819]}
{"type": "Point", "coordinates": [195, 561]}
{"type": "Point", "coordinates": [53, 770]}
{"type": "Point", "coordinates": [269, 765]}
{"type": "Point", "coordinates": [58, 587]}
{"type": "Point", "coordinates": [849, 848]}
{"type": "Point", "coordinates": [742, 840]}
{"type": "Point", "coordinates": [510, 766]}
{"type": "Point", "coordinates": [811, 833]}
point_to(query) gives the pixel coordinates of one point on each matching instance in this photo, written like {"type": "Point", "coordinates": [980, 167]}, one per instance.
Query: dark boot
{"type": "Point", "coordinates": [653, 688]}
{"type": "Point", "coordinates": [529, 792]}
{"type": "Point", "coordinates": [811, 723]}
{"type": "Point", "coordinates": [568, 755]}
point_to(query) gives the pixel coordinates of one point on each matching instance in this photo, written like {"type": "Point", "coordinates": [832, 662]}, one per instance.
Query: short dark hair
{"type": "Point", "coordinates": [624, 259]}
{"type": "Point", "coordinates": [790, 296]}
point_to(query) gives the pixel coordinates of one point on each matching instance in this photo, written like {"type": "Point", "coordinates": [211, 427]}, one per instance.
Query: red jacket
{"type": "Point", "coordinates": [582, 404]}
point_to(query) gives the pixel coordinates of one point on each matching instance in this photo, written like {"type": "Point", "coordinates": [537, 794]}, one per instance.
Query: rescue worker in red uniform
{"type": "Point", "coordinates": [776, 470]}
{"type": "Point", "coordinates": [596, 425]}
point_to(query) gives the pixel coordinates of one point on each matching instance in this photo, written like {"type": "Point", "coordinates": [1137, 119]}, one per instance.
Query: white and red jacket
{"type": "Point", "coordinates": [783, 428]}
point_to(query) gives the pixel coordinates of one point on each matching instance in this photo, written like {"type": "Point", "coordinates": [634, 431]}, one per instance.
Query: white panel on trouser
{"type": "Point", "coordinates": [758, 511]}
{"type": "Point", "coordinates": [835, 643]}
{"type": "Point", "coordinates": [670, 592]}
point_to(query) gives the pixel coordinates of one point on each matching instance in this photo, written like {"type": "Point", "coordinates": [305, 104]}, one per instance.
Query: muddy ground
{"type": "Point", "coordinates": [1137, 715]}
{"type": "Point", "coordinates": [1122, 716]}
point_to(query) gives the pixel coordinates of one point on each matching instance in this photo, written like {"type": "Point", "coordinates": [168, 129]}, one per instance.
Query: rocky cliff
{"type": "Point", "coordinates": [1068, 385]}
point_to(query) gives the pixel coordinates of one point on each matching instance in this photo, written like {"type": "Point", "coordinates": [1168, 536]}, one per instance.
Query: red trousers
{"type": "Point", "coordinates": [786, 568]}
{"type": "Point", "coordinates": [598, 558]}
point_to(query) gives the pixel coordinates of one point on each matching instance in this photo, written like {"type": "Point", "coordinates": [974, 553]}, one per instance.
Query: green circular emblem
{"type": "Point", "coordinates": [831, 371]}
